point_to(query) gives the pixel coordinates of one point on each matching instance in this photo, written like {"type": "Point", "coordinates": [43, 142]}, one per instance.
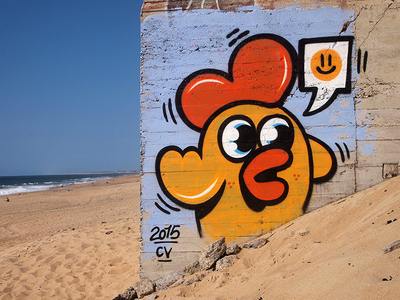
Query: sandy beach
{"type": "Point", "coordinates": [76, 242]}
{"type": "Point", "coordinates": [82, 242]}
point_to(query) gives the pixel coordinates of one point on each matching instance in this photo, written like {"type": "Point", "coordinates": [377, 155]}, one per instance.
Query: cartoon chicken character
{"type": "Point", "coordinates": [254, 166]}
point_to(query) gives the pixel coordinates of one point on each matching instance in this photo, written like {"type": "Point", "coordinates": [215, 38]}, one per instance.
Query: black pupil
{"type": "Point", "coordinates": [247, 138]}
{"type": "Point", "coordinates": [284, 138]}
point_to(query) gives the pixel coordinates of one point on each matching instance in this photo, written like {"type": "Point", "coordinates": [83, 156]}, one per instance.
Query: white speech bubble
{"type": "Point", "coordinates": [328, 79]}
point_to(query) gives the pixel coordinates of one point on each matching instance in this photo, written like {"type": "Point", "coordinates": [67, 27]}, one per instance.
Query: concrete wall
{"type": "Point", "coordinates": [321, 135]}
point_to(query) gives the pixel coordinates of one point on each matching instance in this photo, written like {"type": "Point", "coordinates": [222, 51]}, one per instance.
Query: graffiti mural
{"type": "Point", "coordinates": [253, 155]}
{"type": "Point", "coordinates": [245, 125]}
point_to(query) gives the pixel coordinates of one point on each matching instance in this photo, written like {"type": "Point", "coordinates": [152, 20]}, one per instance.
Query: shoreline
{"type": "Point", "coordinates": [43, 187]}
{"type": "Point", "coordinates": [70, 204]}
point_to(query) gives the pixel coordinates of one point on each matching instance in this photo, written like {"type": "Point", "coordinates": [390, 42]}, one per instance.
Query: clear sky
{"type": "Point", "coordinates": [69, 86]}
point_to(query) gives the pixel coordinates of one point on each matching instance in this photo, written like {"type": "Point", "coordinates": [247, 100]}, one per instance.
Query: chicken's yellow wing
{"type": "Point", "coordinates": [186, 177]}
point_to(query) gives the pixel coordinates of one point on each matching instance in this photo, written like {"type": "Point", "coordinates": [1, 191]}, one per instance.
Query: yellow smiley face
{"type": "Point", "coordinates": [326, 64]}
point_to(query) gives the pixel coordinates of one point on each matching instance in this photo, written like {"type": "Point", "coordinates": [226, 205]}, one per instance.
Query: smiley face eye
{"type": "Point", "coordinates": [276, 131]}
{"type": "Point", "coordinates": [238, 137]}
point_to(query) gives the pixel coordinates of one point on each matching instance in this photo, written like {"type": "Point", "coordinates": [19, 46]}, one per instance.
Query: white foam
{"type": "Point", "coordinates": [31, 187]}
{"type": "Point", "coordinates": [24, 189]}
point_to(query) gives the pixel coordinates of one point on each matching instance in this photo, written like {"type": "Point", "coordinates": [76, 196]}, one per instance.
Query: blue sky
{"type": "Point", "coordinates": [69, 86]}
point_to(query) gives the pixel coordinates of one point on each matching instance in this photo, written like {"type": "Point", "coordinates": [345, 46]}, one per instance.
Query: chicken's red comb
{"type": "Point", "coordinates": [260, 69]}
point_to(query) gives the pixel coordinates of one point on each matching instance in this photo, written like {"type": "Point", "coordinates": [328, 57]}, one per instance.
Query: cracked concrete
{"type": "Point", "coordinates": [347, 23]}
{"type": "Point", "coordinates": [377, 22]}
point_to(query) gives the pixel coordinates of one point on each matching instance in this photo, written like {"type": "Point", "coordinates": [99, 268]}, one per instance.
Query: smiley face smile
{"type": "Point", "coordinates": [322, 61]}
{"type": "Point", "coordinates": [331, 70]}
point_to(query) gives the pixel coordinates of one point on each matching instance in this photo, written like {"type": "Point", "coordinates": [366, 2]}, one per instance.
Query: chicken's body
{"type": "Point", "coordinates": [254, 166]}
{"type": "Point", "coordinates": [203, 178]}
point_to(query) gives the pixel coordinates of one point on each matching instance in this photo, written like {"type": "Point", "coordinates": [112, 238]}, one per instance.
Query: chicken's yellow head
{"type": "Point", "coordinates": [254, 166]}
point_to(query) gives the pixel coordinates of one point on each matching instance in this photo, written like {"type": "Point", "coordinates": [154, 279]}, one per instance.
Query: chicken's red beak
{"type": "Point", "coordinates": [259, 178]}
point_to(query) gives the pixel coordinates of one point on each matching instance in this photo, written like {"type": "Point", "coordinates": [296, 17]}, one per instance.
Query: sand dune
{"type": "Point", "coordinates": [333, 253]}
{"type": "Point", "coordinates": [78, 242]}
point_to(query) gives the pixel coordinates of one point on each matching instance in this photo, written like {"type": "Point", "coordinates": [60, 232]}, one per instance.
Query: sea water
{"type": "Point", "coordinates": [24, 184]}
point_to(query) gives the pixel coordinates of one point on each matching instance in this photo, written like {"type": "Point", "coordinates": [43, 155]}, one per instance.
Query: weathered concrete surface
{"type": "Point", "coordinates": [368, 121]}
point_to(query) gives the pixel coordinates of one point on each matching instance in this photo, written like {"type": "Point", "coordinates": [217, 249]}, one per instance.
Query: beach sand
{"type": "Point", "coordinates": [76, 242]}
{"type": "Point", "coordinates": [82, 242]}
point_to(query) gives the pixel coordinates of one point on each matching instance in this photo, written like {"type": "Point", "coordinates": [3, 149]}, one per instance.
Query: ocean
{"type": "Point", "coordinates": [24, 184]}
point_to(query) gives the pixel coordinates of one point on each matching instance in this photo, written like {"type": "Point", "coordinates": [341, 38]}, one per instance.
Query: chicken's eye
{"type": "Point", "coordinates": [238, 137]}
{"type": "Point", "coordinates": [276, 132]}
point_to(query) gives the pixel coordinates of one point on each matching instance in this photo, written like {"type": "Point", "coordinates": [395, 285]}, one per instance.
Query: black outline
{"type": "Point", "coordinates": [200, 210]}
{"type": "Point", "coordinates": [333, 169]}
{"type": "Point", "coordinates": [321, 179]}
{"type": "Point", "coordinates": [221, 131]}
{"type": "Point", "coordinates": [331, 70]}
{"type": "Point", "coordinates": [359, 61]}
{"type": "Point", "coordinates": [166, 204]}
{"type": "Point", "coordinates": [164, 112]}
{"type": "Point", "coordinates": [162, 209]}
{"type": "Point", "coordinates": [341, 152]}
{"type": "Point", "coordinates": [266, 119]}
{"type": "Point", "coordinates": [165, 242]}
{"type": "Point", "coordinates": [326, 72]}
{"type": "Point", "coordinates": [240, 36]}
{"type": "Point", "coordinates": [205, 208]}
{"type": "Point", "coordinates": [365, 61]}
{"type": "Point", "coordinates": [229, 76]}
{"type": "Point", "coordinates": [347, 151]}
{"type": "Point", "coordinates": [253, 202]}
{"type": "Point", "coordinates": [170, 111]}
{"type": "Point", "coordinates": [236, 30]}
{"type": "Point", "coordinates": [314, 90]}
